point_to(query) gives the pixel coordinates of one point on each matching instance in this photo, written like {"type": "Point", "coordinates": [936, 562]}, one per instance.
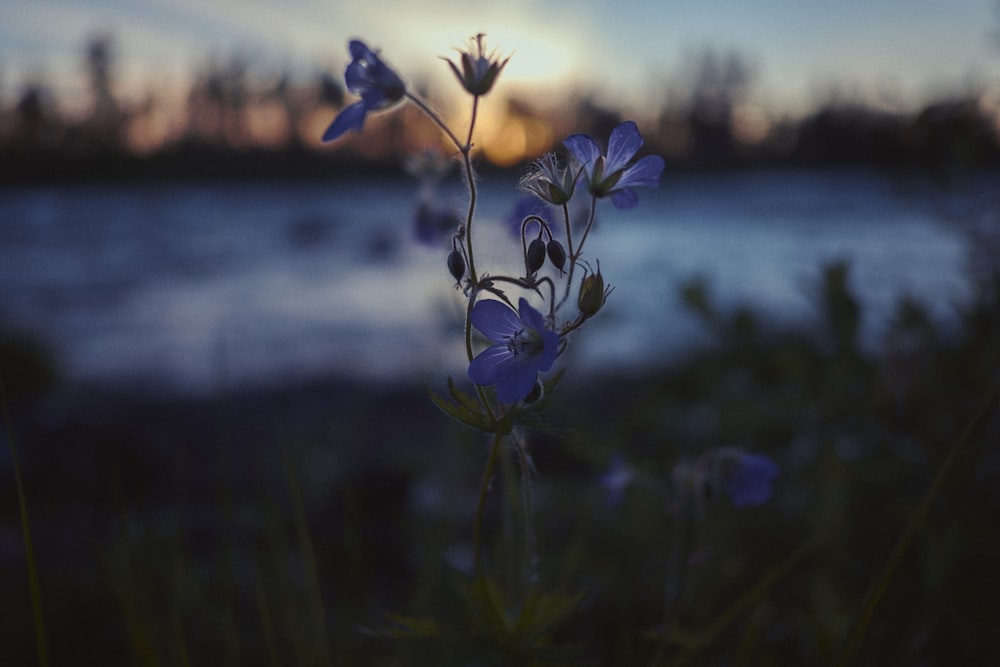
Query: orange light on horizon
{"type": "Point", "coordinates": [267, 125]}
{"type": "Point", "coordinates": [750, 124]}
{"type": "Point", "coordinates": [509, 138]}
{"type": "Point", "coordinates": [312, 125]}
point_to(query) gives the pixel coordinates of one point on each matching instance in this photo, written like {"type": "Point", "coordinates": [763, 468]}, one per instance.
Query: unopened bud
{"type": "Point", "coordinates": [456, 265]}
{"type": "Point", "coordinates": [557, 255]}
{"type": "Point", "coordinates": [536, 256]}
{"type": "Point", "coordinates": [592, 293]}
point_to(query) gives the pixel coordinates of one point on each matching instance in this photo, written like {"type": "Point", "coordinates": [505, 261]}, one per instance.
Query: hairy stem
{"type": "Point", "coordinates": [484, 487]}
{"type": "Point", "coordinates": [430, 113]}
{"type": "Point", "coordinates": [529, 553]}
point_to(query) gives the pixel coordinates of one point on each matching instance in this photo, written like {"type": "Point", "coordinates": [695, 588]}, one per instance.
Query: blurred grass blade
{"type": "Point", "coordinates": [319, 641]}
{"type": "Point", "coordinates": [29, 550]}
{"type": "Point", "coordinates": [695, 642]}
{"type": "Point", "coordinates": [847, 654]}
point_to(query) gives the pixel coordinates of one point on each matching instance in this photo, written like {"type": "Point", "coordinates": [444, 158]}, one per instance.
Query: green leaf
{"type": "Point", "coordinates": [543, 613]}
{"type": "Point", "coordinates": [463, 398]}
{"type": "Point", "coordinates": [407, 627]}
{"type": "Point", "coordinates": [486, 606]}
{"type": "Point", "coordinates": [461, 410]}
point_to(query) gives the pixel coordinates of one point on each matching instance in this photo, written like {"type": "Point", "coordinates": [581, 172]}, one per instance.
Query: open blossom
{"type": "Point", "coordinates": [377, 84]}
{"type": "Point", "coordinates": [523, 347]}
{"type": "Point", "coordinates": [611, 174]}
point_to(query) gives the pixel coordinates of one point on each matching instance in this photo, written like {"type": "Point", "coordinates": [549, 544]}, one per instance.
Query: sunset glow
{"type": "Point", "coordinates": [507, 138]}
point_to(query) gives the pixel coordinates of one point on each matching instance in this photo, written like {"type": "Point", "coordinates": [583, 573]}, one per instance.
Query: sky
{"type": "Point", "coordinates": [898, 52]}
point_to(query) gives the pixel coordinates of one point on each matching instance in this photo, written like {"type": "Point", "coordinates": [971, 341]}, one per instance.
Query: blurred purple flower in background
{"type": "Point", "coordinates": [369, 77]}
{"type": "Point", "coordinates": [748, 479]}
{"type": "Point", "coordinates": [523, 347]}
{"type": "Point", "coordinates": [433, 222]}
{"type": "Point", "coordinates": [524, 206]}
{"type": "Point", "coordinates": [617, 479]}
{"type": "Point", "coordinates": [611, 175]}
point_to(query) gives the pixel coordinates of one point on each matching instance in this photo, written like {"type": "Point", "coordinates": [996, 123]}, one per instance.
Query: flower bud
{"type": "Point", "coordinates": [592, 293]}
{"type": "Point", "coordinates": [550, 181]}
{"type": "Point", "coordinates": [536, 256]}
{"type": "Point", "coordinates": [479, 71]}
{"type": "Point", "coordinates": [557, 255]}
{"type": "Point", "coordinates": [456, 265]}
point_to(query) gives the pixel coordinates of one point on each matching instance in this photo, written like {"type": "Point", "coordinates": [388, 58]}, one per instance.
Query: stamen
{"type": "Point", "coordinates": [515, 343]}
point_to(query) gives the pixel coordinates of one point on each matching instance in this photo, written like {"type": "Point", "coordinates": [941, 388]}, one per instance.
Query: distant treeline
{"type": "Point", "coordinates": [239, 122]}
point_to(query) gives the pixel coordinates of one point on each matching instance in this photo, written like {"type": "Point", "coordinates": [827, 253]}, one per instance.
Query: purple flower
{"type": "Point", "coordinates": [523, 347]}
{"type": "Point", "coordinates": [432, 222]}
{"type": "Point", "coordinates": [611, 174]}
{"type": "Point", "coordinates": [748, 479]}
{"type": "Point", "coordinates": [369, 77]}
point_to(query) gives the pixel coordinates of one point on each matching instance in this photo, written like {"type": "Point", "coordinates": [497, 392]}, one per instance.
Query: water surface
{"type": "Point", "coordinates": [181, 286]}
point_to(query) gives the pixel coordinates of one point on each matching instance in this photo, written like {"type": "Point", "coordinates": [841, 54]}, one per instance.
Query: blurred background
{"type": "Point", "coordinates": [199, 300]}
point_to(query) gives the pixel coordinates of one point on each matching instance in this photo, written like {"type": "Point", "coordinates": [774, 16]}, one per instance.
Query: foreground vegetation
{"type": "Point", "coordinates": [287, 527]}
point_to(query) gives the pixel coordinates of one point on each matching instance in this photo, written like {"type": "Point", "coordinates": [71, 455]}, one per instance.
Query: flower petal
{"type": "Point", "coordinates": [624, 143]}
{"type": "Point", "coordinates": [625, 198]}
{"type": "Point", "coordinates": [583, 148]}
{"type": "Point", "coordinates": [530, 316]}
{"type": "Point", "coordinates": [495, 320]}
{"type": "Point", "coordinates": [360, 51]}
{"type": "Point", "coordinates": [387, 81]}
{"type": "Point", "coordinates": [350, 118]}
{"type": "Point", "coordinates": [358, 77]}
{"type": "Point", "coordinates": [517, 380]}
{"type": "Point", "coordinates": [491, 364]}
{"type": "Point", "coordinates": [645, 173]}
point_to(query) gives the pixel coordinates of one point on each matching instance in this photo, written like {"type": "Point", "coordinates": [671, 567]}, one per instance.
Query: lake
{"type": "Point", "coordinates": [188, 287]}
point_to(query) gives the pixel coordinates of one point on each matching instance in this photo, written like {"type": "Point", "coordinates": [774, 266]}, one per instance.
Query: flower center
{"type": "Point", "coordinates": [517, 342]}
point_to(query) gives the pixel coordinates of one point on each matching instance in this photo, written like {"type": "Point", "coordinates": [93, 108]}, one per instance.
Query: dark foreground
{"type": "Point", "coordinates": [285, 526]}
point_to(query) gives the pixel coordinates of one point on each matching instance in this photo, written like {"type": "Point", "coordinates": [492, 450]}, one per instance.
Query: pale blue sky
{"type": "Point", "coordinates": [799, 49]}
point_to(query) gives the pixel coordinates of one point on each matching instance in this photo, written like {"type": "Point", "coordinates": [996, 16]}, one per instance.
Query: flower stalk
{"type": "Point", "coordinates": [523, 344]}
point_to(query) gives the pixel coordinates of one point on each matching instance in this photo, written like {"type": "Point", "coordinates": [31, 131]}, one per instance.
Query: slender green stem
{"type": "Point", "coordinates": [586, 230]}
{"type": "Point", "coordinates": [529, 552]}
{"type": "Point", "coordinates": [484, 487]}
{"type": "Point", "coordinates": [437, 121]}
{"type": "Point", "coordinates": [29, 550]}
{"type": "Point", "coordinates": [569, 230]}
{"type": "Point", "coordinates": [470, 177]}
{"type": "Point", "coordinates": [572, 258]}
{"type": "Point", "coordinates": [576, 253]}
{"type": "Point", "coordinates": [472, 122]}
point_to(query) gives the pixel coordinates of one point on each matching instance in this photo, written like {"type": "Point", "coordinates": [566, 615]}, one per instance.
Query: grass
{"type": "Point", "coordinates": [281, 527]}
